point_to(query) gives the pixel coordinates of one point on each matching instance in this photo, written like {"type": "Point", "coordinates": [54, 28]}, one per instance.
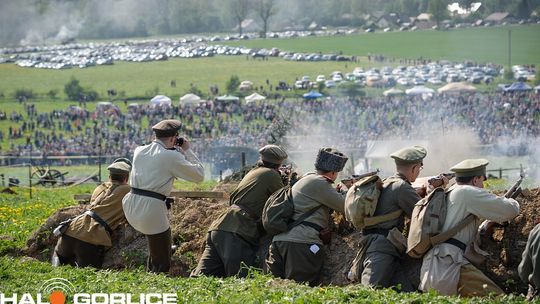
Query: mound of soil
{"type": "Point", "coordinates": [507, 244]}
{"type": "Point", "coordinates": [190, 219]}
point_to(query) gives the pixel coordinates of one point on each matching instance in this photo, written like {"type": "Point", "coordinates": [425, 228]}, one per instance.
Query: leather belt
{"type": "Point", "coordinates": [147, 193]}
{"type": "Point", "coordinates": [456, 243]}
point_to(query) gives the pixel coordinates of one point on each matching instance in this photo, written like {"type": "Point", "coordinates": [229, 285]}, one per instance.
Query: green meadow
{"type": "Point", "coordinates": [482, 44]}
{"type": "Point", "coordinates": [146, 79]}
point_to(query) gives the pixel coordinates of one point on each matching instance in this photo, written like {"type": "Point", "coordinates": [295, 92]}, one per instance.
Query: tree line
{"type": "Point", "coordinates": [91, 19]}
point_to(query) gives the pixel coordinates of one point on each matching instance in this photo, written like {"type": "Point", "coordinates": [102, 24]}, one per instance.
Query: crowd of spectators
{"type": "Point", "coordinates": [341, 122]}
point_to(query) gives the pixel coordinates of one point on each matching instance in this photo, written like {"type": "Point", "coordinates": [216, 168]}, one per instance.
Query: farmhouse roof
{"type": "Point", "coordinates": [497, 17]}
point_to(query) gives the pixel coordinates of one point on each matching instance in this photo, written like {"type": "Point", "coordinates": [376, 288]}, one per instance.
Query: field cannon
{"type": "Point", "coordinates": [47, 177]}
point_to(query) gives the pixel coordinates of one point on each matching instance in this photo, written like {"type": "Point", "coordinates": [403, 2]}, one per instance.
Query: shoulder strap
{"type": "Point", "coordinates": [374, 220]}
{"type": "Point", "coordinates": [303, 216]}
{"type": "Point", "coordinates": [444, 236]}
{"type": "Point", "coordinates": [98, 219]}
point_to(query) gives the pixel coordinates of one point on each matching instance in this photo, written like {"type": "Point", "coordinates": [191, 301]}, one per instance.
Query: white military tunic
{"type": "Point", "coordinates": [441, 265]}
{"type": "Point", "coordinates": [155, 169]}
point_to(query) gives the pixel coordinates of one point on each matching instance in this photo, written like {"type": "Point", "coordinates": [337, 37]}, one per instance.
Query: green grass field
{"type": "Point", "coordinates": [150, 78]}
{"type": "Point", "coordinates": [477, 44]}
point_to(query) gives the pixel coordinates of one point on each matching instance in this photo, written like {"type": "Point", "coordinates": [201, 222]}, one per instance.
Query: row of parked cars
{"type": "Point", "coordinates": [92, 54]}
{"type": "Point", "coordinates": [434, 73]}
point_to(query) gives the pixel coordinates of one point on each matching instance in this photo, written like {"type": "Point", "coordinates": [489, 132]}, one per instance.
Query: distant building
{"type": "Point", "coordinates": [499, 17]}
{"type": "Point", "coordinates": [423, 17]}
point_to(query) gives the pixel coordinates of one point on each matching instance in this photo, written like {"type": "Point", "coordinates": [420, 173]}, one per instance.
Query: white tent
{"type": "Point", "coordinates": [393, 91]}
{"type": "Point", "coordinates": [419, 90]}
{"type": "Point", "coordinates": [537, 89]}
{"type": "Point", "coordinates": [254, 98]}
{"type": "Point", "coordinates": [245, 85]}
{"type": "Point", "coordinates": [456, 87]}
{"type": "Point", "coordinates": [161, 100]}
{"type": "Point", "coordinates": [189, 99]}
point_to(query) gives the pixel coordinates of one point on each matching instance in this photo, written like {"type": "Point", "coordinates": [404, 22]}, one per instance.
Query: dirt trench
{"type": "Point", "coordinates": [190, 219]}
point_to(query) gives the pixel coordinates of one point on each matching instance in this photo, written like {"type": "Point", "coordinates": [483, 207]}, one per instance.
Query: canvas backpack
{"type": "Point", "coordinates": [361, 201]}
{"type": "Point", "coordinates": [427, 220]}
{"type": "Point", "coordinates": [278, 212]}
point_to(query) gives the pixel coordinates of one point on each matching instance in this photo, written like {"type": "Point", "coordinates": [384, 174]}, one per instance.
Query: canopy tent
{"type": "Point", "coordinates": [393, 92]}
{"type": "Point", "coordinates": [161, 100]}
{"type": "Point", "coordinates": [254, 98]}
{"type": "Point", "coordinates": [104, 104]}
{"type": "Point", "coordinates": [189, 99]}
{"type": "Point", "coordinates": [228, 98]}
{"type": "Point", "coordinates": [312, 95]}
{"type": "Point", "coordinates": [456, 87]}
{"type": "Point", "coordinates": [518, 87]}
{"type": "Point", "coordinates": [245, 85]}
{"type": "Point", "coordinates": [537, 89]}
{"type": "Point", "coordinates": [419, 90]}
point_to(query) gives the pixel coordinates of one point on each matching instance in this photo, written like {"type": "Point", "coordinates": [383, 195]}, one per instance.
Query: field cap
{"type": "Point", "coordinates": [167, 127]}
{"type": "Point", "coordinates": [409, 155]}
{"type": "Point", "coordinates": [470, 167]}
{"type": "Point", "coordinates": [329, 159]}
{"type": "Point", "coordinates": [123, 159]}
{"type": "Point", "coordinates": [119, 168]}
{"type": "Point", "coordinates": [273, 154]}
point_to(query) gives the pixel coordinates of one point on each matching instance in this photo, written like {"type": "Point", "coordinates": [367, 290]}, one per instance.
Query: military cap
{"type": "Point", "coordinates": [123, 159]}
{"type": "Point", "coordinates": [273, 154]}
{"type": "Point", "coordinates": [470, 167]}
{"type": "Point", "coordinates": [409, 155]}
{"type": "Point", "coordinates": [329, 159]}
{"type": "Point", "coordinates": [167, 127]}
{"type": "Point", "coordinates": [119, 168]}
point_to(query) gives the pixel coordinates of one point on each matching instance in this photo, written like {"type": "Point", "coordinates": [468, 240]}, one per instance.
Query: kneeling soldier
{"type": "Point", "coordinates": [447, 267]}
{"type": "Point", "coordinates": [298, 254]}
{"type": "Point", "coordinates": [383, 245]}
{"type": "Point", "coordinates": [85, 238]}
{"type": "Point", "coordinates": [233, 239]}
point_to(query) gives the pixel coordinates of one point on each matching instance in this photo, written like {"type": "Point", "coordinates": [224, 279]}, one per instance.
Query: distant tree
{"type": "Point", "coordinates": [140, 28]}
{"type": "Point", "coordinates": [466, 4]}
{"type": "Point", "coordinates": [73, 89]}
{"type": "Point", "coordinates": [52, 93]}
{"type": "Point", "coordinates": [232, 84]}
{"type": "Point", "coordinates": [240, 10]}
{"type": "Point", "coordinates": [438, 9]}
{"type": "Point", "coordinates": [23, 94]}
{"type": "Point", "coordinates": [409, 8]}
{"type": "Point", "coordinates": [523, 9]}
{"type": "Point", "coordinates": [266, 10]}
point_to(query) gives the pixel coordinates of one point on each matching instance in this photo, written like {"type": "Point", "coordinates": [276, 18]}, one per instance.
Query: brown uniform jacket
{"type": "Point", "coordinates": [106, 202]}
{"type": "Point", "coordinates": [252, 193]}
